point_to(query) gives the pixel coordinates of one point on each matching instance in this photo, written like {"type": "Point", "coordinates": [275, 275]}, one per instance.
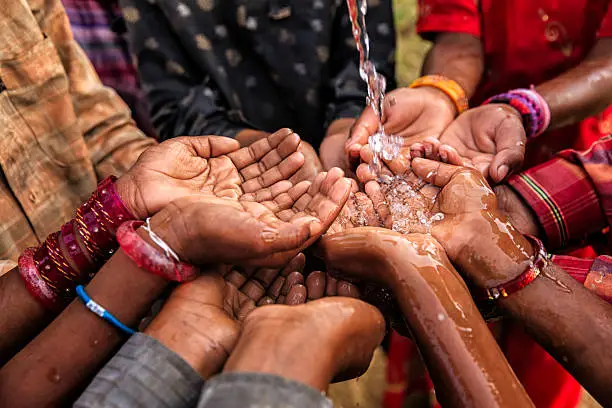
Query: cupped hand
{"type": "Point", "coordinates": [490, 138]}
{"type": "Point", "coordinates": [332, 149]}
{"type": "Point", "coordinates": [208, 165]}
{"type": "Point", "coordinates": [265, 228]}
{"type": "Point", "coordinates": [201, 320]}
{"type": "Point", "coordinates": [413, 114]}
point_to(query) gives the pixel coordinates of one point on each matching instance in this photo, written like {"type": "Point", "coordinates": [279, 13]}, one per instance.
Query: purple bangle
{"type": "Point", "coordinates": [533, 108]}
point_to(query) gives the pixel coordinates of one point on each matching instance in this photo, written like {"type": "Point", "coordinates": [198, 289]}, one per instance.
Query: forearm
{"type": "Point", "coordinates": [51, 368]}
{"type": "Point", "coordinates": [453, 337]}
{"type": "Point", "coordinates": [23, 317]}
{"type": "Point", "coordinates": [570, 323]}
{"type": "Point", "coordinates": [582, 91]}
{"type": "Point", "coordinates": [458, 57]}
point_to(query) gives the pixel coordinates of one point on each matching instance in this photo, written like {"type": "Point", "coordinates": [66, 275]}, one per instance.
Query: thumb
{"type": "Point", "coordinates": [510, 146]}
{"type": "Point", "coordinates": [363, 128]}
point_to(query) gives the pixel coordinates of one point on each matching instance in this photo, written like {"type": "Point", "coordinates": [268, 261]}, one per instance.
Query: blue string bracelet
{"type": "Point", "coordinates": [100, 311]}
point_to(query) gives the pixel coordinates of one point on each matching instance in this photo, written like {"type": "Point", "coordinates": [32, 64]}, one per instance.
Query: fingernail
{"type": "Point", "coordinates": [444, 156]}
{"type": "Point", "coordinates": [503, 171]}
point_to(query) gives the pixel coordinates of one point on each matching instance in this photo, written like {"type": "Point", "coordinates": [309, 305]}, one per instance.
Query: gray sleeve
{"type": "Point", "coordinates": [143, 374]}
{"type": "Point", "coordinates": [257, 390]}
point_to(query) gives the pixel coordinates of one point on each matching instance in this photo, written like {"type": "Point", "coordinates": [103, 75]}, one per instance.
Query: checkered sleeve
{"type": "Point", "coordinates": [595, 274]}
{"type": "Point", "coordinates": [571, 194]}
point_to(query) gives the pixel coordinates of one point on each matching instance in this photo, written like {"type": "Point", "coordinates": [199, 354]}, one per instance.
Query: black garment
{"type": "Point", "coordinates": [220, 66]}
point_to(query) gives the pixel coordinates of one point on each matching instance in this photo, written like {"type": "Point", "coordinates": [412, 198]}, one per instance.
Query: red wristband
{"type": "Point", "coordinates": [540, 260]}
{"type": "Point", "coordinates": [149, 258]}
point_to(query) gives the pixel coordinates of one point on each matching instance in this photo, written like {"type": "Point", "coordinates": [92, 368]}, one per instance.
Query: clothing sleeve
{"type": "Point", "coordinates": [259, 390]}
{"type": "Point", "coordinates": [605, 30]}
{"type": "Point", "coordinates": [348, 90]}
{"type": "Point", "coordinates": [595, 274]}
{"type": "Point", "coordinates": [448, 16]}
{"type": "Point", "coordinates": [113, 140]}
{"type": "Point", "coordinates": [183, 101]}
{"type": "Point", "coordinates": [571, 195]}
{"type": "Point", "coordinates": [143, 374]}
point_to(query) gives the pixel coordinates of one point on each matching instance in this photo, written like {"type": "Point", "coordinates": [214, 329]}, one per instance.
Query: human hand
{"type": "Point", "coordinates": [311, 167]}
{"type": "Point", "coordinates": [332, 150]}
{"type": "Point", "coordinates": [266, 228]}
{"type": "Point", "coordinates": [312, 343]}
{"type": "Point", "coordinates": [490, 138]}
{"type": "Point", "coordinates": [519, 214]}
{"type": "Point", "coordinates": [208, 165]}
{"type": "Point", "coordinates": [201, 319]}
{"type": "Point", "coordinates": [412, 114]}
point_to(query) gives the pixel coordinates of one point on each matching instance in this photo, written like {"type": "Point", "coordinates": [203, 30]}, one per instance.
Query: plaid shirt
{"type": "Point", "coordinates": [571, 196]}
{"type": "Point", "coordinates": [60, 129]}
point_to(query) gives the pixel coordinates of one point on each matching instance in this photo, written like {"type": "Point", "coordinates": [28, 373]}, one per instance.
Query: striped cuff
{"type": "Point", "coordinates": [564, 200]}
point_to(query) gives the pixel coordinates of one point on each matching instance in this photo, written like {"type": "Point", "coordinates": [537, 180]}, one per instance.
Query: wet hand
{"type": "Point", "coordinates": [208, 165]}
{"type": "Point", "coordinates": [413, 114]}
{"type": "Point", "coordinates": [490, 138]}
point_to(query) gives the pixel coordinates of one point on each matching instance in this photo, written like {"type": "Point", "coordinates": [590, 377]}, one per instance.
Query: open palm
{"type": "Point", "coordinates": [209, 165]}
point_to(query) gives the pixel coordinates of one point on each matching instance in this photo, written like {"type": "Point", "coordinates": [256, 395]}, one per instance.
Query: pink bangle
{"type": "Point", "coordinates": [149, 258]}
{"type": "Point", "coordinates": [37, 287]}
{"type": "Point", "coordinates": [74, 249]}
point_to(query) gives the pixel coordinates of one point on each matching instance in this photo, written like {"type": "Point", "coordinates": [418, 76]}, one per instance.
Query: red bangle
{"type": "Point", "coordinates": [540, 260]}
{"type": "Point", "coordinates": [77, 255]}
{"type": "Point", "coordinates": [149, 258]}
{"type": "Point", "coordinates": [35, 284]}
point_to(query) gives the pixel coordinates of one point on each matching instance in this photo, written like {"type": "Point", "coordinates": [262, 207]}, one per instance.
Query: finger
{"type": "Point", "coordinates": [236, 278]}
{"type": "Point", "coordinates": [283, 171]}
{"type": "Point", "coordinates": [296, 296]}
{"type": "Point", "coordinates": [417, 150]}
{"type": "Point", "coordinates": [510, 139]}
{"type": "Point", "coordinates": [265, 276]}
{"type": "Point", "coordinates": [363, 128]}
{"type": "Point", "coordinates": [436, 173]}
{"type": "Point", "coordinates": [283, 204]}
{"type": "Point", "coordinates": [315, 283]}
{"type": "Point", "coordinates": [277, 286]}
{"type": "Point", "coordinates": [296, 264]}
{"type": "Point", "coordinates": [367, 210]}
{"type": "Point", "coordinates": [253, 289]}
{"type": "Point", "coordinates": [431, 146]}
{"type": "Point", "coordinates": [347, 289]}
{"type": "Point", "coordinates": [266, 300]}
{"type": "Point", "coordinates": [293, 279]}
{"type": "Point", "coordinates": [450, 155]}
{"type": "Point", "coordinates": [268, 193]}
{"type": "Point", "coordinates": [254, 152]}
{"type": "Point", "coordinates": [208, 146]}
{"type": "Point", "coordinates": [379, 202]}
{"type": "Point", "coordinates": [331, 286]}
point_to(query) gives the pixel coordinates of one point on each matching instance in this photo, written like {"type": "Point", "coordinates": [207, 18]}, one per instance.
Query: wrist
{"type": "Point", "coordinates": [520, 215]}
{"type": "Point", "coordinates": [128, 192]}
{"type": "Point", "coordinates": [450, 90]}
{"type": "Point", "coordinates": [494, 258]}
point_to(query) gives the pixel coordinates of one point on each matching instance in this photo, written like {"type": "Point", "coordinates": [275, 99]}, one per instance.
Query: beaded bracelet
{"type": "Point", "coordinates": [533, 109]}
{"type": "Point", "coordinates": [48, 274]}
{"type": "Point", "coordinates": [95, 307]}
{"type": "Point", "coordinates": [538, 263]}
{"type": "Point", "coordinates": [165, 264]}
{"type": "Point", "coordinates": [451, 88]}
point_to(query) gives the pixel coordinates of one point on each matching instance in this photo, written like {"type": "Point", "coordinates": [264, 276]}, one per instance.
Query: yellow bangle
{"type": "Point", "coordinates": [451, 88]}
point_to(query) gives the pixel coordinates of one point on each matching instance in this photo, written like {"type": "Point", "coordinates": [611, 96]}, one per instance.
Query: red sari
{"type": "Point", "coordinates": [526, 42]}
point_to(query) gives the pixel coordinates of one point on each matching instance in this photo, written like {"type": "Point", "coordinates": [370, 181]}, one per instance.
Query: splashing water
{"type": "Point", "coordinates": [383, 145]}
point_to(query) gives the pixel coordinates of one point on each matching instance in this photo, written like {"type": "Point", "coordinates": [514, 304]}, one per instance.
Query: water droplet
{"type": "Point", "coordinates": [441, 316]}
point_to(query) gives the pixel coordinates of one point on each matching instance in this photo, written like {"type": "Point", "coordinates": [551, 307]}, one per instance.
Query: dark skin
{"type": "Point", "coordinates": [207, 166]}
{"type": "Point", "coordinates": [572, 324]}
{"type": "Point", "coordinates": [340, 333]}
{"type": "Point", "coordinates": [466, 365]}
{"type": "Point", "coordinates": [43, 373]}
{"type": "Point", "coordinates": [491, 138]}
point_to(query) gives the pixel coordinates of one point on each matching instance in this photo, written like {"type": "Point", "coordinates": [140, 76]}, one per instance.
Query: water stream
{"type": "Point", "coordinates": [384, 146]}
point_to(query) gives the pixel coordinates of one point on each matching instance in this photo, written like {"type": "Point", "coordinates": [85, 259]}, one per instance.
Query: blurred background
{"type": "Point", "coordinates": [410, 48]}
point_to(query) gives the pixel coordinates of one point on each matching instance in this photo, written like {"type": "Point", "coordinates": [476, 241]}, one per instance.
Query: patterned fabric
{"type": "Point", "coordinates": [60, 128]}
{"type": "Point", "coordinates": [526, 43]}
{"type": "Point", "coordinates": [571, 196]}
{"type": "Point", "coordinates": [218, 67]}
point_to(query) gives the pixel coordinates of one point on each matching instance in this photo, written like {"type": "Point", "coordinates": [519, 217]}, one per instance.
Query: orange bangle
{"type": "Point", "coordinates": [451, 88]}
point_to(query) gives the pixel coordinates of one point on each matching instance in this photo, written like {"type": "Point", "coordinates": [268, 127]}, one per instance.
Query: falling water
{"type": "Point", "coordinates": [383, 145]}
